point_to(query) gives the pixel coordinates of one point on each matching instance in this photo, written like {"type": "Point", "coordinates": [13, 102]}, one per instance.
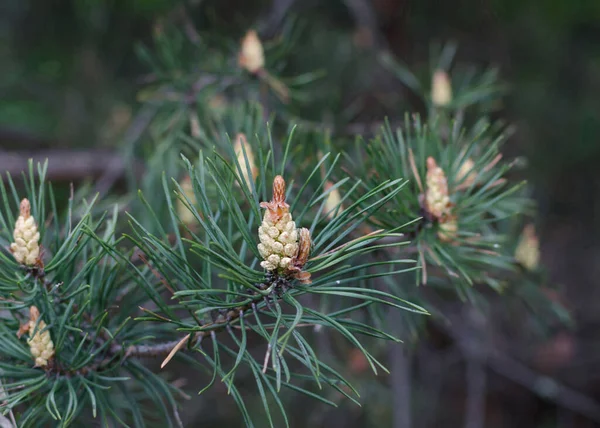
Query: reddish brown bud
{"type": "Point", "coordinates": [304, 243]}
{"type": "Point", "coordinates": [277, 207]}
{"type": "Point", "coordinates": [298, 262]}
{"type": "Point", "coordinates": [303, 277]}
{"type": "Point", "coordinates": [34, 313]}
{"type": "Point", "coordinates": [279, 190]}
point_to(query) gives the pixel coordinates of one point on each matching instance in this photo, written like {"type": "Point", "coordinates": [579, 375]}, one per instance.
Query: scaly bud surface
{"type": "Point", "coordinates": [437, 201]}
{"type": "Point", "coordinates": [277, 234]}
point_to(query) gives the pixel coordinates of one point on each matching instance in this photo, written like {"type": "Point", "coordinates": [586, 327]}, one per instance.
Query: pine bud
{"type": "Point", "coordinates": [437, 201]}
{"type": "Point", "coordinates": [300, 259]}
{"type": "Point", "coordinates": [26, 249]}
{"type": "Point", "coordinates": [251, 56]}
{"type": "Point", "coordinates": [333, 201]}
{"type": "Point", "coordinates": [304, 245]}
{"type": "Point", "coordinates": [528, 250]}
{"type": "Point", "coordinates": [441, 89]}
{"type": "Point", "coordinates": [466, 172]}
{"type": "Point", "coordinates": [241, 145]}
{"type": "Point", "coordinates": [448, 229]}
{"type": "Point", "coordinates": [184, 213]}
{"type": "Point", "coordinates": [40, 344]}
{"type": "Point", "coordinates": [277, 234]}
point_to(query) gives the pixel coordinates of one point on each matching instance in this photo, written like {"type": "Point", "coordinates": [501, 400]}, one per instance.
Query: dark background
{"type": "Point", "coordinates": [68, 91]}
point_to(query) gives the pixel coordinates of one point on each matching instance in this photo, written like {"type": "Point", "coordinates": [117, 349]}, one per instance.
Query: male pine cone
{"type": "Point", "coordinates": [40, 344]}
{"type": "Point", "coordinates": [437, 200]}
{"type": "Point", "coordinates": [441, 91]}
{"type": "Point", "coordinates": [277, 234]}
{"type": "Point", "coordinates": [25, 248]}
{"type": "Point", "coordinates": [251, 56]}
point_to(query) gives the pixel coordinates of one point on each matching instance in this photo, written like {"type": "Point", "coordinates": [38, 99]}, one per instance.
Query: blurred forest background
{"type": "Point", "coordinates": [68, 87]}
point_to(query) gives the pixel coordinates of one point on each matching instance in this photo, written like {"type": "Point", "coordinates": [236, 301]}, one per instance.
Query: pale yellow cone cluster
{"type": "Point", "coordinates": [448, 230]}
{"type": "Point", "coordinates": [251, 56]}
{"type": "Point", "coordinates": [40, 344]}
{"type": "Point", "coordinates": [240, 147]}
{"type": "Point", "coordinates": [528, 250]}
{"type": "Point", "coordinates": [277, 234]}
{"type": "Point", "coordinates": [467, 173]}
{"type": "Point", "coordinates": [278, 242]}
{"type": "Point", "coordinates": [437, 200]}
{"type": "Point", "coordinates": [26, 248]}
{"type": "Point", "coordinates": [441, 89]}
{"type": "Point", "coordinates": [184, 213]}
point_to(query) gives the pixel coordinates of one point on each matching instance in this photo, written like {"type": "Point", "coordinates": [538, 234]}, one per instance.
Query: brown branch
{"type": "Point", "coordinates": [156, 350]}
{"type": "Point", "coordinates": [69, 165]}
{"type": "Point", "coordinates": [503, 364]}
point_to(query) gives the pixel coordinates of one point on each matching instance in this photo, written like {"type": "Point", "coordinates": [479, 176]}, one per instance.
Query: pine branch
{"type": "Point", "coordinates": [71, 165]}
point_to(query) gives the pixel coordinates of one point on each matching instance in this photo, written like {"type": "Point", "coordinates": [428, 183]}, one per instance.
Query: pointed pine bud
{"type": "Point", "coordinates": [40, 343]}
{"type": "Point", "coordinates": [25, 248]}
{"type": "Point", "coordinates": [467, 173]}
{"type": "Point", "coordinates": [240, 147]}
{"type": "Point", "coordinates": [528, 250]}
{"type": "Point", "coordinates": [333, 200]}
{"type": "Point", "coordinates": [277, 207]}
{"type": "Point", "coordinates": [277, 234]}
{"type": "Point", "coordinates": [441, 89]}
{"type": "Point", "coordinates": [251, 56]}
{"type": "Point", "coordinates": [184, 213]}
{"type": "Point", "coordinates": [279, 190]}
{"type": "Point", "coordinates": [437, 201]}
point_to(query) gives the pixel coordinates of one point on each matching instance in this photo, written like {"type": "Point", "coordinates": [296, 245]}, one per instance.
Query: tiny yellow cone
{"type": "Point", "coordinates": [184, 213]}
{"type": "Point", "coordinates": [528, 250]}
{"type": "Point", "coordinates": [40, 344]}
{"type": "Point", "coordinates": [278, 234]}
{"type": "Point", "coordinates": [441, 89]}
{"type": "Point", "coordinates": [251, 56]}
{"type": "Point", "coordinates": [437, 201]}
{"type": "Point", "coordinates": [25, 249]}
{"type": "Point", "coordinates": [467, 173]}
{"type": "Point", "coordinates": [240, 147]}
{"type": "Point", "coordinates": [448, 229]}
{"type": "Point", "coordinates": [333, 201]}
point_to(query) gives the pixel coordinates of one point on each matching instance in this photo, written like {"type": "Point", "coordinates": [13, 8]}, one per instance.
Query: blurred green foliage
{"type": "Point", "coordinates": [68, 65]}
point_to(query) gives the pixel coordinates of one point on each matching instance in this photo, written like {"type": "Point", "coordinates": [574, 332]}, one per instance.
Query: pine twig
{"type": "Point", "coordinates": [400, 362]}
{"type": "Point", "coordinates": [474, 347]}
{"type": "Point", "coordinates": [476, 386]}
{"type": "Point", "coordinates": [155, 350]}
{"type": "Point", "coordinates": [70, 165]}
